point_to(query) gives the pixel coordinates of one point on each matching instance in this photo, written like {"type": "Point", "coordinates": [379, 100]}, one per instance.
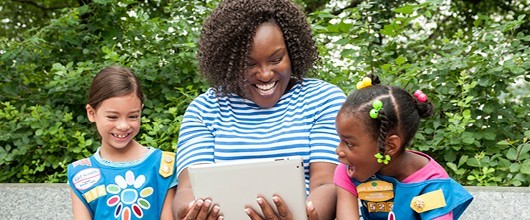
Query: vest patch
{"type": "Point", "coordinates": [379, 206]}
{"type": "Point", "coordinates": [375, 191]}
{"type": "Point", "coordinates": [86, 178]}
{"type": "Point", "coordinates": [95, 193]}
{"type": "Point", "coordinates": [167, 164]}
{"type": "Point", "coordinates": [428, 201]}
{"type": "Point", "coordinates": [82, 162]}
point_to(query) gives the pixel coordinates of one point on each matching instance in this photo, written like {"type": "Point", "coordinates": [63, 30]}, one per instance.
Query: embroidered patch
{"type": "Point", "coordinates": [82, 162]}
{"type": "Point", "coordinates": [428, 201]}
{"type": "Point", "coordinates": [130, 195]}
{"type": "Point", "coordinates": [86, 178]}
{"type": "Point", "coordinates": [375, 191]}
{"type": "Point", "coordinates": [167, 164]}
{"type": "Point", "coordinates": [379, 206]}
{"type": "Point", "coordinates": [95, 193]}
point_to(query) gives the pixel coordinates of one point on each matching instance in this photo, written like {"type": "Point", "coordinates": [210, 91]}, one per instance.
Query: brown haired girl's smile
{"type": "Point", "coordinates": [117, 120]}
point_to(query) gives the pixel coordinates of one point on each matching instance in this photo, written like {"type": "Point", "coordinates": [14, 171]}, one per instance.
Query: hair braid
{"type": "Point", "coordinates": [383, 130]}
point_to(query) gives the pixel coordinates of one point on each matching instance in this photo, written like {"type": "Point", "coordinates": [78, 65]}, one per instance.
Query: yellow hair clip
{"type": "Point", "coordinates": [366, 82]}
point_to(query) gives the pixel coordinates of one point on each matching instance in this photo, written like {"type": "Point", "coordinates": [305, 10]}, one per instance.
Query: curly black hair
{"type": "Point", "coordinates": [226, 40]}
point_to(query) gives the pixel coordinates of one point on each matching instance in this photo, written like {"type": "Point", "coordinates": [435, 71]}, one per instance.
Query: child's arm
{"type": "Point", "coordinates": [448, 216]}
{"type": "Point", "coordinates": [347, 205]}
{"type": "Point", "coordinates": [79, 209]}
{"type": "Point", "coordinates": [166, 209]}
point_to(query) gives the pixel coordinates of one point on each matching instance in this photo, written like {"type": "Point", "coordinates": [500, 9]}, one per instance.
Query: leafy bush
{"type": "Point", "coordinates": [46, 77]}
{"type": "Point", "coordinates": [476, 77]}
{"type": "Point", "coordinates": [480, 132]}
{"type": "Point", "coordinates": [39, 140]}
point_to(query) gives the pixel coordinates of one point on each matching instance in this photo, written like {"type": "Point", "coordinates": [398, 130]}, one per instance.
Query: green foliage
{"type": "Point", "coordinates": [39, 140]}
{"type": "Point", "coordinates": [47, 75]}
{"type": "Point", "coordinates": [475, 80]}
{"type": "Point", "coordinates": [20, 16]}
{"type": "Point", "coordinates": [476, 74]}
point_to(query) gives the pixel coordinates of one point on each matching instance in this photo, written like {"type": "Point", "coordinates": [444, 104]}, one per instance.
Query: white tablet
{"type": "Point", "coordinates": [233, 185]}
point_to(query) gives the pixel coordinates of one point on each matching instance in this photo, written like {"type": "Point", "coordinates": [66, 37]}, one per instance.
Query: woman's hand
{"type": "Point", "coordinates": [283, 210]}
{"type": "Point", "coordinates": [201, 209]}
{"type": "Point", "coordinates": [186, 208]}
{"type": "Point", "coordinates": [312, 213]}
{"type": "Point", "coordinates": [268, 212]}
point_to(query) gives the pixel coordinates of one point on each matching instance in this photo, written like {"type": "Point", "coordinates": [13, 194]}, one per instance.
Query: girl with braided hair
{"type": "Point", "coordinates": [375, 124]}
{"type": "Point", "coordinates": [255, 54]}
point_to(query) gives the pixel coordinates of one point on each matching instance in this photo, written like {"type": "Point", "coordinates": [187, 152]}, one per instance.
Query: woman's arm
{"type": "Point", "coordinates": [79, 209]}
{"type": "Point", "coordinates": [184, 205]}
{"type": "Point", "coordinates": [195, 146]}
{"type": "Point", "coordinates": [323, 142]}
{"type": "Point", "coordinates": [347, 205]}
{"type": "Point", "coordinates": [183, 196]}
{"type": "Point", "coordinates": [322, 193]}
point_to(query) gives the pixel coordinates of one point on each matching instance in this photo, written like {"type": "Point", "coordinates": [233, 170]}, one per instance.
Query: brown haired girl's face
{"type": "Point", "coordinates": [269, 66]}
{"type": "Point", "coordinates": [117, 120]}
{"type": "Point", "coordinates": [357, 147]}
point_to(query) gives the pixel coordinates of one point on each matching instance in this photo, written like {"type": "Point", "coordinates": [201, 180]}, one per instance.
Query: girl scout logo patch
{"type": "Point", "coordinates": [86, 178]}
{"type": "Point", "coordinates": [375, 191]}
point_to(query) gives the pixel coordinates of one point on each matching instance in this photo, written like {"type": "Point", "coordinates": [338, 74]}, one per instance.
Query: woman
{"type": "Point", "coordinates": [255, 54]}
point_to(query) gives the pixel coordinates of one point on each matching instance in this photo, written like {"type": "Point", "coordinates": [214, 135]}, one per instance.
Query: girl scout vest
{"type": "Point", "coordinates": [421, 200]}
{"type": "Point", "coordinates": [131, 192]}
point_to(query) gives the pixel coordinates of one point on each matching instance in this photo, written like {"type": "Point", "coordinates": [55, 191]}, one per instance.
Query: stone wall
{"type": "Point", "coordinates": [52, 201]}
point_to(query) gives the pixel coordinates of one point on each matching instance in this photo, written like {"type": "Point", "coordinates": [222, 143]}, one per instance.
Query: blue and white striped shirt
{"type": "Point", "coordinates": [228, 128]}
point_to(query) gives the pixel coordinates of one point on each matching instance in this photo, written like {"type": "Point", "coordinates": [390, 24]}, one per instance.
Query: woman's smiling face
{"type": "Point", "coordinates": [269, 67]}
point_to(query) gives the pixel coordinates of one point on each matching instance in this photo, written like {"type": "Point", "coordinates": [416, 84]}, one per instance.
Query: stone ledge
{"type": "Point", "coordinates": [35, 201]}
{"type": "Point", "coordinates": [498, 203]}
{"type": "Point", "coordinates": [52, 201]}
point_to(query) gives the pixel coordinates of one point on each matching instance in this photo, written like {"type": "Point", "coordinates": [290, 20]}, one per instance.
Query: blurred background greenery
{"type": "Point", "coordinates": [471, 57]}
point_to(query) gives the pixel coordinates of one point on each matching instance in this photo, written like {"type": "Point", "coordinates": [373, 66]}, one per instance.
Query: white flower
{"type": "Point", "coordinates": [132, 14]}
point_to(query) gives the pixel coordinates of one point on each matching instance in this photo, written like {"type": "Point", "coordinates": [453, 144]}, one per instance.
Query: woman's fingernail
{"type": "Point", "coordinates": [215, 209]}
{"type": "Point", "coordinates": [260, 200]}
{"type": "Point", "coordinates": [310, 205]}
{"type": "Point", "coordinates": [247, 210]}
{"type": "Point", "coordinates": [207, 202]}
{"type": "Point", "coordinates": [199, 202]}
{"type": "Point", "coordinates": [275, 198]}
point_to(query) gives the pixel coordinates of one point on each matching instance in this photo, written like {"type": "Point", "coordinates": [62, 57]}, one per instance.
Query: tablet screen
{"type": "Point", "coordinates": [233, 185]}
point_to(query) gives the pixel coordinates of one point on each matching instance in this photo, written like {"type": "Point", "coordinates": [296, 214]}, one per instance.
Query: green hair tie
{"type": "Point", "coordinates": [382, 159]}
{"type": "Point", "coordinates": [378, 105]}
